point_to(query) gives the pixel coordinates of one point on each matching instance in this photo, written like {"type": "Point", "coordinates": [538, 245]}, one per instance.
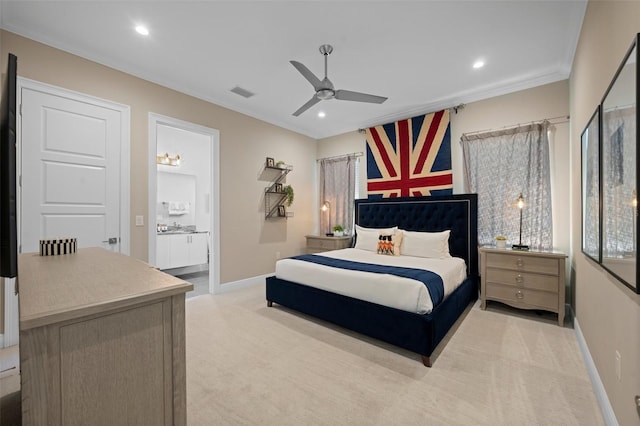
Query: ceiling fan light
{"type": "Point", "coordinates": [325, 94]}
{"type": "Point", "coordinates": [142, 30]}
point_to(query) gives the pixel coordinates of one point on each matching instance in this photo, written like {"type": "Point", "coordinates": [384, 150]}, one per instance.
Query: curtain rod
{"type": "Point", "coordinates": [552, 120]}
{"type": "Point", "coordinates": [353, 154]}
{"type": "Point", "coordinates": [453, 108]}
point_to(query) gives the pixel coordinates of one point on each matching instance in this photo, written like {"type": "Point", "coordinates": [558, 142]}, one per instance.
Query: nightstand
{"type": "Point", "coordinates": [317, 243]}
{"type": "Point", "coordinates": [524, 279]}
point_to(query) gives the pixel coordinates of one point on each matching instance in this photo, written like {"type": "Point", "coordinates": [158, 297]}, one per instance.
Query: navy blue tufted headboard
{"type": "Point", "coordinates": [459, 213]}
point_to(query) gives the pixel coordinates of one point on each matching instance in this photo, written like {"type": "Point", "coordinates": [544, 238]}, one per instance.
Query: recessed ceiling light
{"type": "Point", "coordinates": [321, 114]}
{"type": "Point", "coordinates": [141, 29]}
{"type": "Point", "coordinates": [478, 64]}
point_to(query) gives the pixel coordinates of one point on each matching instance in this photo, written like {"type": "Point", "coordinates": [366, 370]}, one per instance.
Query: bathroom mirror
{"type": "Point", "coordinates": [176, 195]}
{"type": "Point", "coordinates": [619, 175]}
{"type": "Point", "coordinates": [591, 187]}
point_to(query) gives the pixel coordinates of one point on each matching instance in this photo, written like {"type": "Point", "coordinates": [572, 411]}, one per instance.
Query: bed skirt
{"type": "Point", "coordinates": [414, 332]}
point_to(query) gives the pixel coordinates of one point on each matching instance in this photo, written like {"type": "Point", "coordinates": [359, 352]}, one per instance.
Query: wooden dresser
{"type": "Point", "coordinates": [317, 243]}
{"type": "Point", "coordinates": [524, 279]}
{"type": "Point", "coordinates": [102, 341]}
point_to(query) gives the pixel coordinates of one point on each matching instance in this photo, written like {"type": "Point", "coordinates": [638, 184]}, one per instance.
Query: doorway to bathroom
{"type": "Point", "coordinates": [184, 219]}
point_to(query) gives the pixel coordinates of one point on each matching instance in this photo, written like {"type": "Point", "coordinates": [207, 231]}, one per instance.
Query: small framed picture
{"type": "Point", "coordinates": [281, 211]}
{"type": "Point", "coordinates": [277, 187]}
{"type": "Point", "coordinates": [271, 162]}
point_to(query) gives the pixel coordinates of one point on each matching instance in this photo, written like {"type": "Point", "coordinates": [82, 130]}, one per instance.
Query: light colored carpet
{"type": "Point", "coordinates": [248, 364]}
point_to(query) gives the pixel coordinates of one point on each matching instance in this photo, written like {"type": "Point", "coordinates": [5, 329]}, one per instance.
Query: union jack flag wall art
{"type": "Point", "coordinates": [410, 158]}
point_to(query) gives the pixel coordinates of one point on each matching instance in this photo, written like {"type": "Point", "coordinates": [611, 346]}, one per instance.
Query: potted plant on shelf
{"type": "Point", "coordinates": [281, 164]}
{"type": "Point", "coordinates": [338, 231]}
{"type": "Point", "coordinates": [288, 190]}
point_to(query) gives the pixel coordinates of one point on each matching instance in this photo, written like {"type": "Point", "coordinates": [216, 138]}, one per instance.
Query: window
{"type": "Point", "coordinates": [338, 186]}
{"type": "Point", "coordinates": [498, 167]}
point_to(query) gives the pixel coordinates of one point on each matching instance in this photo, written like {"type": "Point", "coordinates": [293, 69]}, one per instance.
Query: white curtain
{"type": "Point", "coordinates": [337, 190]}
{"type": "Point", "coordinates": [500, 165]}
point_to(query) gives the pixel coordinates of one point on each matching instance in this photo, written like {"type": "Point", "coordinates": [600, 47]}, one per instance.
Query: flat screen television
{"type": "Point", "coordinates": [8, 188]}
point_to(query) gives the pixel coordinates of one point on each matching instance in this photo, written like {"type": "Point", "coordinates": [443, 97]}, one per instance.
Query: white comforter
{"type": "Point", "coordinates": [389, 290]}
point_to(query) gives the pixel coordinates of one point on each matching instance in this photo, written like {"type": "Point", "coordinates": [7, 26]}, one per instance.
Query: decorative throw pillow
{"type": "Point", "coordinates": [426, 244]}
{"type": "Point", "coordinates": [367, 238]}
{"type": "Point", "coordinates": [389, 244]}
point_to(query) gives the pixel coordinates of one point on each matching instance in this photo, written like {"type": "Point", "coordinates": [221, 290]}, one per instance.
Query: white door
{"type": "Point", "coordinates": [73, 156]}
{"type": "Point", "coordinates": [71, 169]}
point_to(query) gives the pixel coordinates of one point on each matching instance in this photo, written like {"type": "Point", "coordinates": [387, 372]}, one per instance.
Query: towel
{"type": "Point", "coordinates": [177, 208]}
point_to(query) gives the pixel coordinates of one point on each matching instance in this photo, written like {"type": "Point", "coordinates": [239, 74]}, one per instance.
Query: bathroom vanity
{"type": "Point", "coordinates": [180, 249]}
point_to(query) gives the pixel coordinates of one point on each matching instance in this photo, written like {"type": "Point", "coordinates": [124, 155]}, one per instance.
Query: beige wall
{"type": "Point", "coordinates": [607, 312]}
{"type": "Point", "coordinates": [248, 242]}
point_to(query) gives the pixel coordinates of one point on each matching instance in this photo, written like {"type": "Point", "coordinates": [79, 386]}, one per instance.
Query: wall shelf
{"type": "Point", "coordinates": [274, 196]}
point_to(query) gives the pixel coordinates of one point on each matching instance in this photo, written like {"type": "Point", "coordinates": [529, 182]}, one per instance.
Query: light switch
{"type": "Point", "coordinates": [139, 220]}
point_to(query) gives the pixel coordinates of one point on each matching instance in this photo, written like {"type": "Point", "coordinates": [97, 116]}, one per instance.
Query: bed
{"type": "Point", "coordinates": [419, 333]}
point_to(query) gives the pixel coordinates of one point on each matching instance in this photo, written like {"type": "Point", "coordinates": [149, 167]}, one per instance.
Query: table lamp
{"type": "Point", "coordinates": [520, 205]}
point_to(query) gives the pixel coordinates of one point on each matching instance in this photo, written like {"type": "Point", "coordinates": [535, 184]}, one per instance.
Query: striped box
{"type": "Point", "coordinates": [58, 246]}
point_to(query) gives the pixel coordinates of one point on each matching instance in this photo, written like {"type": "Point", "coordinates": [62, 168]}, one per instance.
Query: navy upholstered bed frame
{"type": "Point", "coordinates": [415, 332]}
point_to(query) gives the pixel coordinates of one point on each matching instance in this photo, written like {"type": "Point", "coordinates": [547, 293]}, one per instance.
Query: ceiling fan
{"type": "Point", "coordinates": [324, 88]}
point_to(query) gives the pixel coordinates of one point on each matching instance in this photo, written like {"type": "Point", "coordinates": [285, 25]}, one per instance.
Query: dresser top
{"type": "Point", "coordinates": [508, 251]}
{"type": "Point", "coordinates": [92, 280]}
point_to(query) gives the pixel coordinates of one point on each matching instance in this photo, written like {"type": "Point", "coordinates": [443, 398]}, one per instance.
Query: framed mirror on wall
{"type": "Point", "coordinates": [619, 177]}
{"type": "Point", "coordinates": [590, 166]}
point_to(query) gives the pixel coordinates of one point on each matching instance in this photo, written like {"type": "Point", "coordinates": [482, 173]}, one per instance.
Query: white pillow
{"type": "Point", "coordinates": [367, 238]}
{"type": "Point", "coordinates": [426, 244]}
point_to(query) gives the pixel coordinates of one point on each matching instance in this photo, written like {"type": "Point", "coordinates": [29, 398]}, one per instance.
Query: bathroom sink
{"type": "Point", "coordinates": [189, 229]}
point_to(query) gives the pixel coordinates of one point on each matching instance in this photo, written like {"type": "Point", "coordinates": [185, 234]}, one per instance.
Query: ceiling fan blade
{"type": "Point", "coordinates": [306, 73]}
{"type": "Point", "coordinates": [314, 100]}
{"type": "Point", "coordinates": [348, 95]}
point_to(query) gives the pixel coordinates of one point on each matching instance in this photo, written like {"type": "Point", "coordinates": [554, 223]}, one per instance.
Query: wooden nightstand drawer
{"type": "Point", "coordinates": [522, 297]}
{"type": "Point", "coordinates": [316, 243]}
{"type": "Point", "coordinates": [523, 279]}
{"type": "Point", "coordinates": [529, 263]}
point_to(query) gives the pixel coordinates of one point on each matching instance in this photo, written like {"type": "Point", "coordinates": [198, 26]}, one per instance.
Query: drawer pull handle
{"type": "Point", "coordinates": [519, 263]}
{"type": "Point", "coordinates": [519, 278]}
{"type": "Point", "coordinates": [519, 295]}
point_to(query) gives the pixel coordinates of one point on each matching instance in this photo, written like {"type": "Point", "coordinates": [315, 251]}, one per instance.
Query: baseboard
{"type": "Point", "coordinates": [247, 282]}
{"type": "Point", "coordinates": [598, 387]}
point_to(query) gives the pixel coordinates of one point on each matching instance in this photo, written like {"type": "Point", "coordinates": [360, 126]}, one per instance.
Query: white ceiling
{"type": "Point", "coordinates": [419, 54]}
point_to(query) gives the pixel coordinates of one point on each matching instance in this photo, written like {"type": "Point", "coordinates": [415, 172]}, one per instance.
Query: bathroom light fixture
{"type": "Point", "coordinates": [167, 160]}
{"type": "Point", "coordinates": [321, 114]}
{"type": "Point", "coordinates": [478, 64]}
